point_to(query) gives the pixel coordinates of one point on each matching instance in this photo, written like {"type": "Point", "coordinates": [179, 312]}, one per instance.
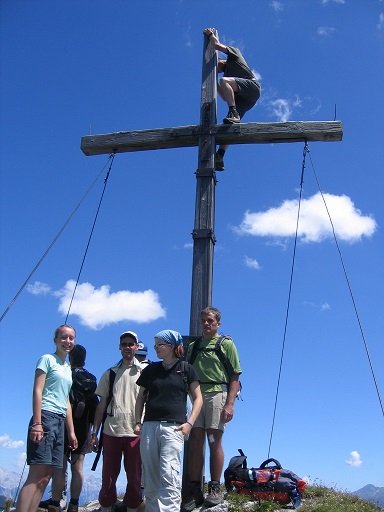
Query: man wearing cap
{"type": "Point", "coordinates": [142, 355]}
{"type": "Point", "coordinates": [119, 424]}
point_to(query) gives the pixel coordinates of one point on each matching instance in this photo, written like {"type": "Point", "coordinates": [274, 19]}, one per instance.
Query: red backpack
{"type": "Point", "coordinates": [272, 483]}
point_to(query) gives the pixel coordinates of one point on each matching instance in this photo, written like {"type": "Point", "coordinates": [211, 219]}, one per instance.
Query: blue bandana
{"type": "Point", "coordinates": [171, 337]}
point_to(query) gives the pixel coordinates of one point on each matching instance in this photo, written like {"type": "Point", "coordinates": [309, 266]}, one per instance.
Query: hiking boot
{"type": "Point", "coordinates": [54, 508]}
{"type": "Point", "coordinates": [119, 507]}
{"type": "Point", "coordinates": [45, 503]}
{"type": "Point", "coordinates": [194, 499]}
{"type": "Point", "coordinates": [214, 495]}
{"type": "Point", "coordinates": [73, 508]}
{"type": "Point", "coordinates": [219, 162]}
{"type": "Point", "coordinates": [141, 507]}
{"type": "Point", "coordinates": [232, 117]}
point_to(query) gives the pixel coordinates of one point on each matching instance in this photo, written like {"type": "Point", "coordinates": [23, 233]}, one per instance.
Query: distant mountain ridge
{"type": "Point", "coordinates": [9, 482]}
{"type": "Point", "coordinates": [371, 493]}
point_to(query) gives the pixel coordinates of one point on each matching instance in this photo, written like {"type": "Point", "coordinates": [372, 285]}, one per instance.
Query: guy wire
{"type": "Point", "coordinates": [90, 236]}
{"type": "Point", "coordinates": [350, 289]}
{"type": "Point", "coordinates": [305, 151]}
{"type": "Point", "coordinates": [52, 243]}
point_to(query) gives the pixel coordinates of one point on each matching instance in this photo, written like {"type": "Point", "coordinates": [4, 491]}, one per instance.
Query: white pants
{"type": "Point", "coordinates": [160, 448]}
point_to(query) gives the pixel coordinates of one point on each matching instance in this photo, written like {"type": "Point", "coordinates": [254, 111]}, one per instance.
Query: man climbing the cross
{"type": "Point", "coordinates": [238, 87]}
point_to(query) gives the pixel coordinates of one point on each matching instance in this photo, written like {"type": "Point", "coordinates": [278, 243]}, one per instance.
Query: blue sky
{"type": "Point", "coordinates": [71, 68]}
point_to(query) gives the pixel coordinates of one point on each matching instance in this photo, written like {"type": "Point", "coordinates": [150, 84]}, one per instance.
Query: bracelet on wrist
{"type": "Point", "coordinates": [190, 424]}
{"type": "Point", "coordinates": [37, 423]}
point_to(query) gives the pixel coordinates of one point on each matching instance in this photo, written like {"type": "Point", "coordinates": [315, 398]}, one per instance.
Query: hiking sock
{"type": "Point", "coordinates": [74, 501]}
{"type": "Point", "coordinates": [221, 152]}
{"type": "Point", "coordinates": [55, 503]}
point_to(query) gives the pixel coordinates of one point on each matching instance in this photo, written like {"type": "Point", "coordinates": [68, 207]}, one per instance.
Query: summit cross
{"type": "Point", "coordinates": [206, 136]}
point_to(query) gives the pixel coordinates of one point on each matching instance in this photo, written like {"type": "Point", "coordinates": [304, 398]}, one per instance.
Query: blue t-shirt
{"type": "Point", "coordinates": [57, 385]}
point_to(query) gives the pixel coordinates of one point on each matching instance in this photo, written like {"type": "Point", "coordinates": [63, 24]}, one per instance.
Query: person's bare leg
{"type": "Point", "coordinates": [77, 479]}
{"type": "Point", "coordinates": [34, 487]}
{"type": "Point", "coordinates": [195, 453]}
{"type": "Point", "coordinates": [216, 459]}
{"type": "Point", "coordinates": [58, 482]}
{"type": "Point", "coordinates": [226, 89]}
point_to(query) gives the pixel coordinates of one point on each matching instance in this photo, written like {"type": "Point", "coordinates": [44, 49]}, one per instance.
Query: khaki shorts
{"type": "Point", "coordinates": [210, 415]}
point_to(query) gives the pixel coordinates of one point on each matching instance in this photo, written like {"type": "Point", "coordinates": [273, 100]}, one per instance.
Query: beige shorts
{"type": "Point", "coordinates": [210, 415]}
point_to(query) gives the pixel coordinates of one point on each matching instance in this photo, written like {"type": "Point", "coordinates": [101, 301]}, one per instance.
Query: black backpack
{"type": "Point", "coordinates": [82, 395]}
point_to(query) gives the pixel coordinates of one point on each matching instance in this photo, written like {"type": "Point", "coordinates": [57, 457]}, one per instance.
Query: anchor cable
{"type": "Point", "coordinates": [112, 156]}
{"type": "Point", "coordinates": [52, 244]}
{"type": "Point", "coordinates": [305, 151]}
{"type": "Point", "coordinates": [349, 288]}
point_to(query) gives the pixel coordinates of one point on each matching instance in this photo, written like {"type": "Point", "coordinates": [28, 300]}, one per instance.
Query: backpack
{"type": "Point", "coordinates": [271, 483]}
{"type": "Point", "coordinates": [82, 395]}
{"type": "Point", "coordinates": [228, 368]}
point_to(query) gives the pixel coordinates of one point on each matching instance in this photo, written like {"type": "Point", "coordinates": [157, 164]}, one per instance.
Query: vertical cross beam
{"type": "Point", "coordinates": [203, 231]}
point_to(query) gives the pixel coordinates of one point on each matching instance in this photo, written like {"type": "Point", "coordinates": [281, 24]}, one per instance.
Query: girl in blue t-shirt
{"type": "Point", "coordinates": [51, 410]}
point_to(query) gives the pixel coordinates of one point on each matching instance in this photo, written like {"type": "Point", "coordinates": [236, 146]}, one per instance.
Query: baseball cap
{"type": "Point", "coordinates": [143, 349]}
{"type": "Point", "coordinates": [129, 334]}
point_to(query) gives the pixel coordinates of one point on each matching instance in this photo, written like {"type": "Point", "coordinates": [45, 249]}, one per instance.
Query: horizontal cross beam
{"type": "Point", "coordinates": [188, 136]}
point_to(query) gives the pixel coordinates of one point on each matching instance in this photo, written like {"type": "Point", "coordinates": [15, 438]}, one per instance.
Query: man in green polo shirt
{"type": "Point", "coordinates": [219, 380]}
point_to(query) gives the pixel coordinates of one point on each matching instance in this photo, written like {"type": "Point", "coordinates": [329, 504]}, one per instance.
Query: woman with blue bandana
{"type": "Point", "coordinates": [164, 386]}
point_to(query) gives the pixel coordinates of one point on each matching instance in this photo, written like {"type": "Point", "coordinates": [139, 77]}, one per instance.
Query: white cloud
{"type": "Point", "coordinates": [251, 263]}
{"type": "Point", "coordinates": [6, 442]}
{"type": "Point", "coordinates": [325, 31]}
{"type": "Point", "coordinates": [20, 460]}
{"type": "Point", "coordinates": [187, 36]}
{"type": "Point", "coordinates": [354, 459]}
{"type": "Point", "coordinates": [278, 243]}
{"type": "Point", "coordinates": [38, 288]}
{"type": "Point", "coordinates": [277, 6]}
{"type": "Point", "coordinates": [380, 25]}
{"type": "Point", "coordinates": [257, 75]}
{"type": "Point", "coordinates": [281, 109]}
{"type": "Point", "coordinates": [322, 307]}
{"type": "Point", "coordinates": [325, 2]}
{"type": "Point", "coordinates": [97, 308]}
{"type": "Point", "coordinates": [314, 225]}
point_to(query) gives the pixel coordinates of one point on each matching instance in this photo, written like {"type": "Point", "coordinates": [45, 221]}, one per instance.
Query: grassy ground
{"type": "Point", "coordinates": [314, 499]}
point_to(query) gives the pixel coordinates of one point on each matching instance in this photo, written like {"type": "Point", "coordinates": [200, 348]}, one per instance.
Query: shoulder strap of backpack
{"type": "Point", "coordinates": [218, 350]}
{"type": "Point", "coordinates": [195, 350]}
{"type": "Point", "coordinates": [112, 376]}
{"type": "Point", "coordinates": [183, 370]}
{"type": "Point", "coordinates": [220, 354]}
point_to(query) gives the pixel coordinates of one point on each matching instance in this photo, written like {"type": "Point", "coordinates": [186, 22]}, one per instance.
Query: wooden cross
{"type": "Point", "coordinates": [206, 136]}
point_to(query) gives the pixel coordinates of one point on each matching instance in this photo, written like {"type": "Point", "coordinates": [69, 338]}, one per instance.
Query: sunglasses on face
{"type": "Point", "coordinates": [159, 345]}
{"type": "Point", "coordinates": [127, 344]}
